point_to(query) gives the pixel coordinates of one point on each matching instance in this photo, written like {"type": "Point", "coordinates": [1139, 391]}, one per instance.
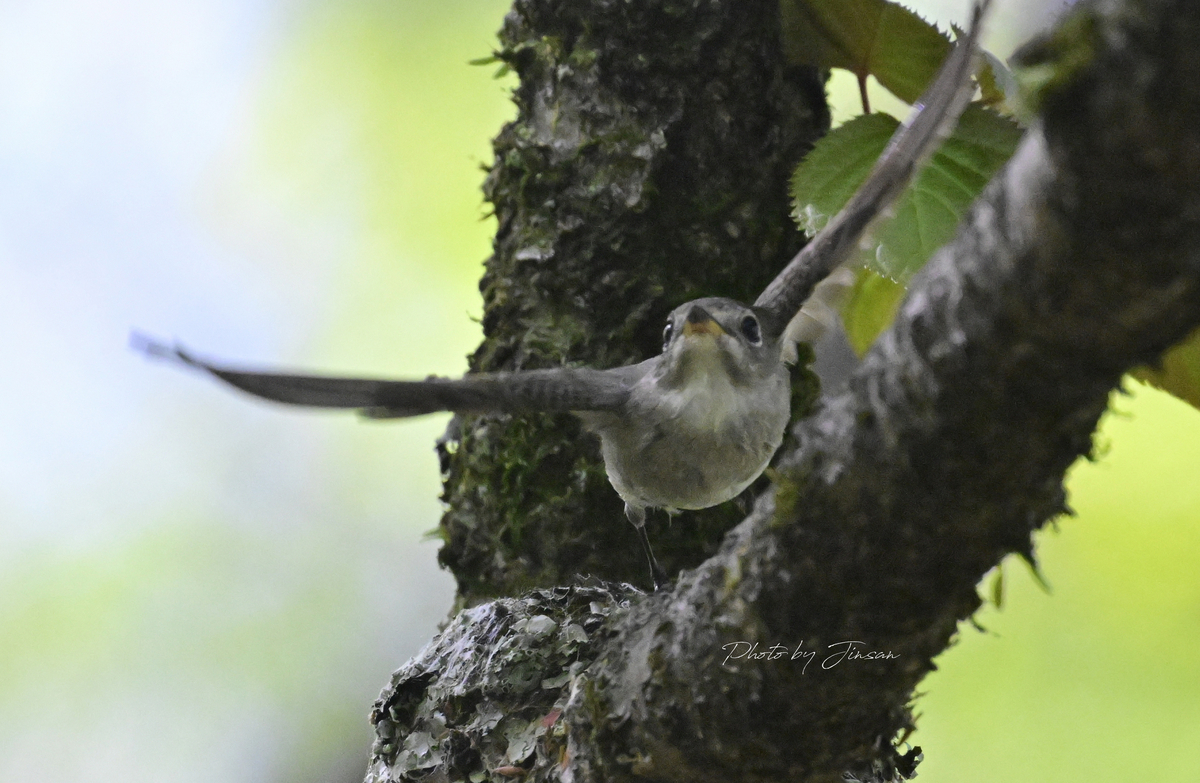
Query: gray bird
{"type": "Point", "coordinates": [695, 425]}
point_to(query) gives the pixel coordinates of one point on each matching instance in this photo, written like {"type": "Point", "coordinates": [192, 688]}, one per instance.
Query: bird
{"type": "Point", "coordinates": [695, 425]}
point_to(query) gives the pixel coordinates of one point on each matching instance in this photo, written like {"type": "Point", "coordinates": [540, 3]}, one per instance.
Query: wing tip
{"type": "Point", "coordinates": [157, 349]}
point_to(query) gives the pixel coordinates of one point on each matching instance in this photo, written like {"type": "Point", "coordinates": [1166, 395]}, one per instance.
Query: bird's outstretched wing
{"type": "Point", "coordinates": [934, 116]}
{"type": "Point", "coordinates": [563, 389]}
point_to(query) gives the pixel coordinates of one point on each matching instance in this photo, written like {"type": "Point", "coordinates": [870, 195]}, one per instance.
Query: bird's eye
{"type": "Point", "coordinates": [750, 330]}
{"type": "Point", "coordinates": [668, 330]}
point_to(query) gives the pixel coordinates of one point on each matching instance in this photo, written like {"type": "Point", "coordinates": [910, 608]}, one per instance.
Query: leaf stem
{"type": "Point", "coordinates": [862, 91]}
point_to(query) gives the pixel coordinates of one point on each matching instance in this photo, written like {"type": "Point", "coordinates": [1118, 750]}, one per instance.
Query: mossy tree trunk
{"type": "Point", "coordinates": [945, 454]}
{"type": "Point", "coordinates": [647, 166]}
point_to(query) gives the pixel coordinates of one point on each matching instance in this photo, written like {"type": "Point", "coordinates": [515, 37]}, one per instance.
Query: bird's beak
{"type": "Point", "coordinates": [700, 322]}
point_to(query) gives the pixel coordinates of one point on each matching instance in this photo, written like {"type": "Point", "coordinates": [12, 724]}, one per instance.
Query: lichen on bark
{"type": "Point", "coordinates": [489, 692]}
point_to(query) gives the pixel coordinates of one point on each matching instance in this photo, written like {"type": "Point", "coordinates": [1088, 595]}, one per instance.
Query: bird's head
{"type": "Point", "coordinates": [717, 335]}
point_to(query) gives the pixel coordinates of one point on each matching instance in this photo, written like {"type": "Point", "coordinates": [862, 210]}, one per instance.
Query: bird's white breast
{"type": "Point", "coordinates": [709, 403]}
{"type": "Point", "coordinates": [696, 444]}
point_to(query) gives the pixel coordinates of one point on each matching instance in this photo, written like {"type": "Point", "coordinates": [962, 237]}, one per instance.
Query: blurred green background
{"type": "Point", "coordinates": [198, 587]}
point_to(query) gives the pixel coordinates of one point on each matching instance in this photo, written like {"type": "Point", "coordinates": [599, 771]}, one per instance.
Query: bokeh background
{"type": "Point", "coordinates": [198, 587]}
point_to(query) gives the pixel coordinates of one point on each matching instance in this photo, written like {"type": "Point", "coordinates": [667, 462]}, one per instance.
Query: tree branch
{"type": "Point", "coordinates": [1081, 260]}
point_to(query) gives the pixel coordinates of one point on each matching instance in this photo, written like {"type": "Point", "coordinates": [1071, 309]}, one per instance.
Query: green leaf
{"type": "Point", "coordinates": [997, 587]}
{"type": "Point", "coordinates": [835, 168]}
{"type": "Point", "coordinates": [925, 217]}
{"type": "Point", "coordinates": [1179, 373]}
{"type": "Point", "coordinates": [866, 37]}
{"type": "Point", "coordinates": [870, 308]}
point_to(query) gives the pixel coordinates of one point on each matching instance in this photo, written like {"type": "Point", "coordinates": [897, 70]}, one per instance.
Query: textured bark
{"type": "Point", "coordinates": [946, 453]}
{"type": "Point", "coordinates": [647, 166]}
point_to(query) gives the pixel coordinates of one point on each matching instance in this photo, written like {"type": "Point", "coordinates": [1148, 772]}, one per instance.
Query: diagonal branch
{"type": "Point", "coordinates": [948, 450]}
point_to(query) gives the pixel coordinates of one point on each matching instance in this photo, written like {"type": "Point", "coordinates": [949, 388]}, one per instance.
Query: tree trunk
{"type": "Point", "coordinates": [947, 451]}
{"type": "Point", "coordinates": [648, 165]}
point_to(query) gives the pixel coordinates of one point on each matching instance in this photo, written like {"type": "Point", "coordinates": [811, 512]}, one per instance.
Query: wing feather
{"type": "Point", "coordinates": [562, 389]}
{"type": "Point", "coordinates": [934, 116]}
